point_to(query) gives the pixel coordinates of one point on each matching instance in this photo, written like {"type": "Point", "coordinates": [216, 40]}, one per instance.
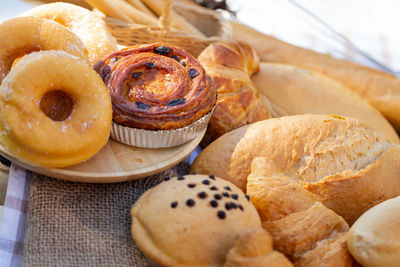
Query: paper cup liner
{"type": "Point", "coordinates": [159, 138]}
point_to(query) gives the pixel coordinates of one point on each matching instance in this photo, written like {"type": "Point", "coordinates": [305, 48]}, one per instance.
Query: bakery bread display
{"type": "Point", "coordinates": [347, 164]}
{"type": "Point", "coordinates": [46, 118]}
{"type": "Point", "coordinates": [84, 23]}
{"type": "Point", "coordinates": [290, 90]}
{"type": "Point", "coordinates": [20, 36]}
{"type": "Point", "coordinates": [230, 66]}
{"type": "Point", "coordinates": [374, 239]}
{"type": "Point", "coordinates": [191, 220]}
{"type": "Point", "coordinates": [254, 248]}
{"type": "Point", "coordinates": [382, 90]}
{"type": "Point", "coordinates": [302, 228]}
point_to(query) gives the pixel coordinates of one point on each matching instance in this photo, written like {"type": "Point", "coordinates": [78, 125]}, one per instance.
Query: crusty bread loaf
{"type": "Point", "coordinates": [191, 220]}
{"type": "Point", "coordinates": [347, 164]}
{"type": "Point", "coordinates": [291, 90]}
{"type": "Point", "coordinates": [230, 66]}
{"type": "Point", "coordinates": [382, 90]}
{"type": "Point", "coordinates": [374, 239]}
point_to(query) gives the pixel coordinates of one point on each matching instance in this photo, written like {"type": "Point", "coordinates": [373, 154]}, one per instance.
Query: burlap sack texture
{"type": "Point", "coordinates": [77, 224]}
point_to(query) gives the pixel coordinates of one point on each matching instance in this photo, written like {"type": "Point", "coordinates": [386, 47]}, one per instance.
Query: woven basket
{"type": "Point", "coordinates": [210, 23]}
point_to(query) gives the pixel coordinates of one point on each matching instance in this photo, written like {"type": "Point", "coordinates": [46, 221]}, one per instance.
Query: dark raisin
{"type": "Point", "coordinates": [212, 177]}
{"type": "Point", "coordinates": [114, 59]}
{"type": "Point", "coordinates": [175, 57]}
{"type": "Point", "coordinates": [221, 214]}
{"type": "Point", "coordinates": [183, 63]}
{"type": "Point", "coordinates": [225, 194]}
{"type": "Point", "coordinates": [193, 73]}
{"type": "Point", "coordinates": [235, 196]}
{"type": "Point", "coordinates": [214, 203]}
{"type": "Point", "coordinates": [202, 195]}
{"type": "Point", "coordinates": [180, 178]}
{"type": "Point", "coordinates": [214, 188]}
{"type": "Point", "coordinates": [248, 197]}
{"type": "Point", "coordinates": [150, 65]}
{"type": "Point", "coordinates": [162, 50]}
{"type": "Point", "coordinates": [142, 105]}
{"type": "Point", "coordinates": [176, 102]}
{"type": "Point", "coordinates": [240, 207]}
{"type": "Point", "coordinates": [233, 205]}
{"type": "Point", "coordinates": [191, 185]}
{"type": "Point", "coordinates": [174, 204]}
{"type": "Point", "coordinates": [190, 202]}
{"type": "Point", "coordinates": [217, 196]}
{"type": "Point", "coordinates": [166, 178]}
{"type": "Point", "coordinates": [137, 74]}
{"type": "Point", "coordinates": [228, 206]}
{"type": "Point", "coordinates": [227, 188]}
{"type": "Point", "coordinates": [206, 182]}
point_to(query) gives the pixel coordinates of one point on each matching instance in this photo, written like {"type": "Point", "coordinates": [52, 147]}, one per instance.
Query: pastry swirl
{"type": "Point", "coordinates": [156, 87]}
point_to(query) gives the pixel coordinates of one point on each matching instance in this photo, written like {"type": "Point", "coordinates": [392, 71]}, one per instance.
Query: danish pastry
{"type": "Point", "coordinates": [84, 23]}
{"type": "Point", "coordinates": [156, 87]}
{"type": "Point", "coordinates": [46, 118]}
{"type": "Point", "coordinates": [21, 36]}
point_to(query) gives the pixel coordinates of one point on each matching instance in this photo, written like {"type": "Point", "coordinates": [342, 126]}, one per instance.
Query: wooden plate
{"type": "Point", "coordinates": [117, 162]}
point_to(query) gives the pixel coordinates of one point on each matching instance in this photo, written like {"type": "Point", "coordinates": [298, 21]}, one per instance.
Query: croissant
{"type": "Point", "coordinates": [230, 66]}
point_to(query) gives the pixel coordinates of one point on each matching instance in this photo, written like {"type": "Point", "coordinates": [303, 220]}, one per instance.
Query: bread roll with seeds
{"type": "Point", "coordinates": [191, 220]}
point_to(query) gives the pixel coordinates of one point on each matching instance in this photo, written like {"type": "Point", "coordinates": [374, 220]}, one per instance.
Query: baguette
{"type": "Point", "coordinates": [290, 90]}
{"type": "Point", "coordinates": [381, 90]}
{"type": "Point", "coordinates": [109, 9]}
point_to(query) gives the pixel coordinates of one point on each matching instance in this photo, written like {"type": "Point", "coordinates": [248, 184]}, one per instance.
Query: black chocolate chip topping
{"type": "Point", "coordinates": [202, 195]}
{"type": "Point", "coordinates": [206, 182]}
{"type": "Point", "coordinates": [240, 207]}
{"type": "Point", "coordinates": [162, 50]}
{"type": "Point", "coordinates": [214, 203]}
{"type": "Point", "coordinates": [180, 178]}
{"type": "Point", "coordinates": [227, 188]}
{"type": "Point", "coordinates": [190, 202]}
{"type": "Point", "coordinates": [228, 206]}
{"type": "Point", "coordinates": [150, 65]}
{"type": "Point", "coordinates": [235, 196]}
{"type": "Point", "coordinates": [221, 214]}
{"type": "Point", "coordinates": [193, 73]}
{"type": "Point", "coordinates": [217, 196]}
{"type": "Point", "coordinates": [174, 204]}
{"type": "Point", "coordinates": [248, 197]}
{"type": "Point", "coordinates": [225, 194]}
{"type": "Point", "coordinates": [176, 102]}
{"type": "Point", "coordinates": [213, 188]}
{"type": "Point", "coordinates": [137, 74]}
{"type": "Point", "coordinates": [142, 105]}
{"type": "Point", "coordinates": [212, 176]}
{"type": "Point", "coordinates": [191, 185]}
{"type": "Point", "coordinates": [233, 205]}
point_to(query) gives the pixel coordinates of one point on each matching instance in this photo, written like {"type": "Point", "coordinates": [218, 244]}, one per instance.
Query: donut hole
{"type": "Point", "coordinates": [57, 105]}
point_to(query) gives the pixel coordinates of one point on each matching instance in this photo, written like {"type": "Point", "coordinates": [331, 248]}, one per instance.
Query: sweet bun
{"type": "Point", "coordinates": [374, 239]}
{"type": "Point", "coordinates": [254, 248]}
{"type": "Point", "coordinates": [46, 118]}
{"type": "Point", "coordinates": [22, 36]}
{"type": "Point", "coordinates": [90, 28]}
{"type": "Point", "coordinates": [290, 90]}
{"type": "Point", "coordinates": [347, 164]}
{"type": "Point", "coordinates": [191, 220]}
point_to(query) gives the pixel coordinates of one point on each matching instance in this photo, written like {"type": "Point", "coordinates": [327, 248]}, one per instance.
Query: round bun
{"type": "Point", "coordinates": [191, 220]}
{"type": "Point", "coordinates": [22, 36]}
{"type": "Point", "coordinates": [90, 28]}
{"type": "Point", "coordinates": [374, 239]}
{"type": "Point", "coordinates": [46, 118]}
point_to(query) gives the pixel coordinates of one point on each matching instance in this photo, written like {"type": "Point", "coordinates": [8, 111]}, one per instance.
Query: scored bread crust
{"type": "Point", "coordinates": [342, 160]}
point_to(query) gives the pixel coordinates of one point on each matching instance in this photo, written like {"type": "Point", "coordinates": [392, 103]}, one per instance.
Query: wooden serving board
{"type": "Point", "coordinates": [117, 162]}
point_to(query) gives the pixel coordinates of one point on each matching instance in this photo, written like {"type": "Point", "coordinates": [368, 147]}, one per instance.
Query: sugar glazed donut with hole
{"type": "Point", "coordinates": [22, 36]}
{"type": "Point", "coordinates": [55, 110]}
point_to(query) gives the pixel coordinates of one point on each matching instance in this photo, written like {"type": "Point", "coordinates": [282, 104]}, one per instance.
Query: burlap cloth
{"type": "Point", "coordinates": [76, 224]}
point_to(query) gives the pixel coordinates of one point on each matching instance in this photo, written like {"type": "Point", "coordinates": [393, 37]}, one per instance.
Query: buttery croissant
{"type": "Point", "coordinates": [230, 66]}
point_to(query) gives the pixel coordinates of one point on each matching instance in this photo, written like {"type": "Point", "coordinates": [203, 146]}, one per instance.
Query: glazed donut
{"type": "Point", "coordinates": [156, 87]}
{"type": "Point", "coordinates": [89, 27]}
{"type": "Point", "coordinates": [21, 36]}
{"type": "Point", "coordinates": [55, 110]}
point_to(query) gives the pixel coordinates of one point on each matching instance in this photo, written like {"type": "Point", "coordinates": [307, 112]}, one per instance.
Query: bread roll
{"type": "Point", "coordinates": [230, 66]}
{"type": "Point", "coordinates": [344, 162]}
{"type": "Point", "coordinates": [293, 90]}
{"type": "Point", "coordinates": [382, 90]}
{"type": "Point", "coordinates": [374, 239]}
{"type": "Point", "coordinates": [191, 220]}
